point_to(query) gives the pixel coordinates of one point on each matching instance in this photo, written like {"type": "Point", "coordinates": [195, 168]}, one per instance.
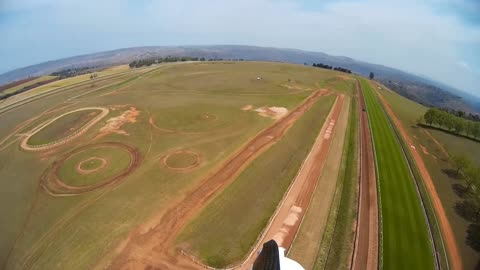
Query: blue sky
{"type": "Point", "coordinates": [439, 39]}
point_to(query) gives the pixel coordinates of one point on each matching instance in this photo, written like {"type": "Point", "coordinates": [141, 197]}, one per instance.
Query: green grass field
{"type": "Point", "coordinates": [406, 243]}
{"type": "Point", "coordinates": [205, 100]}
{"type": "Point", "coordinates": [436, 161]}
{"type": "Point", "coordinates": [235, 218]}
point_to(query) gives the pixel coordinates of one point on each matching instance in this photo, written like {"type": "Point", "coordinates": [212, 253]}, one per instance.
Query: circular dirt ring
{"type": "Point", "coordinates": [57, 185]}
{"type": "Point", "coordinates": [91, 165]}
{"type": "Point", "coordinates": [181, 160]}
{"type": "Point", "coordinates": [81, 130]}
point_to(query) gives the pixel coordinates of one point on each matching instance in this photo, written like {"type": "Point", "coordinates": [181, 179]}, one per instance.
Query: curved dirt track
{"type": "Point", "coordinates": [54, 186]}
{"type": "Point", "coordinates": [365, 254]}
{"type": "Point", "coordinates": [103, 163]}
{"type": "Point", "coordinates": [187, 168]}
{"type": "Point", "coordinates": [152, 247]}
{"type": "Point", "coordinates": [455, 260]}
{"type": "Point", "coordinates": [24, 144]}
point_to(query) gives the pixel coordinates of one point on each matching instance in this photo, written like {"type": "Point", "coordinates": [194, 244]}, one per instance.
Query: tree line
{"type": "Point", "coordinates": [170, 59]}
{"type": "Point", "coordinates": [321, 65]}
{"type": "Point", "coordinates": [72, 72]}
{"type": "Point", "coordinates": [451, 122]}
{"type": "Point", "coordinates": [469, 207]}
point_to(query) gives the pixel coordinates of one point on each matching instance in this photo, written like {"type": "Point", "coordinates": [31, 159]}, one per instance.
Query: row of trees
{"type": "Point", "coordinates": [452, 123]}
{"type": "Point", "coordinates": [320, 65]}
{"type": "Point", "coordinates": [72, 72]}
{"type": "Point", "coordinates": [464, 115]}
{"type": "Point", "coordinates": [469, 207]}
{"type": "Point", "coordinates": [170, 59]}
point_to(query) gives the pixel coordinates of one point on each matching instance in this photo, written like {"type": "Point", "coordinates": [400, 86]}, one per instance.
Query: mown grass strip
{"type": "Point", "coordinates": [425, 197]}
{"type": "Point", "coordinates": [340, 247]}
{"type": "Point", "coordinates": [228, 227]}
{"type": "Point", "coordinates": [406, 243]}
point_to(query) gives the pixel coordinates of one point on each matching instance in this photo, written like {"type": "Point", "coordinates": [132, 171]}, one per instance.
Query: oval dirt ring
{"type": "Point", "coordinates": [56, 186]}
{"type": "Point", "coordinates": [181, 160]}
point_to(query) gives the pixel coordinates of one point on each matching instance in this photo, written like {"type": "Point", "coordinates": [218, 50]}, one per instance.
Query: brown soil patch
{"type": "Point", "coordinates": [446, 228]}
{"type": "Point", "coordinates": [89, 171]}
{"type": "Point", "coordinates": [247, 108]}
{"type": "Point", "coordinates": [187, 168]}
{"type": "Point", "coordinates": [272, 112]}
{"type": "Point", "coordinates": [152, 247]}
{"type": "Point", "coordinates": [115, 123]}
{"type": "Point", "coordinates": [365, 255]}
{"type": "Point", "coordinates": [54, 186]}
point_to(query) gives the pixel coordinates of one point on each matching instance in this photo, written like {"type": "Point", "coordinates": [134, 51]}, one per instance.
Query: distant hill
{"type": "Point", "coordinates": [412, 86]}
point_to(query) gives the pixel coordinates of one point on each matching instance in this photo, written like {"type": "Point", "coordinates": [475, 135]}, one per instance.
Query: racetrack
{"type": "Point", "coordinates": [366, 242]}
{"type": "Point", "coordinates": [447, 232]}
{"type": "Point", "coordinates": [24, 144]}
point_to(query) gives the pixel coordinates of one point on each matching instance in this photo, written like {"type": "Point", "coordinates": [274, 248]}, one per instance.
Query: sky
{"type": "Point", "coordinates": [438, 39]}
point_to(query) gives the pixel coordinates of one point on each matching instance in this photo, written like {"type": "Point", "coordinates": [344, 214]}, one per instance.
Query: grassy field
{"type": "Point", "coordinates": [23, 85]}
{"type": "Point", "coordinates": [114, 74]}
{"type": "Point", "coordinates": [235, 219]}
{"type": "Point", "coordinates": [437, 161]}
{"type": "Point", "coordinates": [406, 243]}
{"type": "Point", "coordinates": [205, 100]}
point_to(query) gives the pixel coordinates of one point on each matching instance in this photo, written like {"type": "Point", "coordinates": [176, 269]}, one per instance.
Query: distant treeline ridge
{"type": "Point", "coordinates": [170, 59]}
{"type": "Point", "coordinates": [320, 65]}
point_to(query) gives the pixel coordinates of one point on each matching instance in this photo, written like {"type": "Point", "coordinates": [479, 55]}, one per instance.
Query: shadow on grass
{"type": "Point", "coordinates": [468, 210]}
{"type": "Point", "coordinates": [452, 174]}
{"type": "Point", "coordinates": [460, 190]}
{"type": "Point", "coordinates": [449, 132]}
{"type": "Point", "coordinates": [473, 237]}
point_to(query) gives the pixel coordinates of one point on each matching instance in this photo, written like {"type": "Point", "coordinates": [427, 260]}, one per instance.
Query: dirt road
{"type": "Point", "coordinates": [447, 232]}
{"type": "Point", "coordinates": [151, 246]}
{"type": "Point", "coordinates": [311, 236]}
{"type": "Point", "coordinates": [365, 255]}
{"type": "Point", "coordinates": [291, 211]}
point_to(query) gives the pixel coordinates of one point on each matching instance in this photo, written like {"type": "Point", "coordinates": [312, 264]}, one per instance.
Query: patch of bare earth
{"type": "Point", "coordinates": [247, 108]}
{"type": "Point", "coordinates": [272, 112]}
{"type": "Point", "coordinates": [114, 124]}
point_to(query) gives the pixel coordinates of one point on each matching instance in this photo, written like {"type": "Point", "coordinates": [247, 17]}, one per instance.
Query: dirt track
{"type": "Point", "coordinates": [289, 215]}
{"type": "Point", "coordinates": [365, 255]}
{"type": "Point", "coordinates": [24, 144]}
{"type": "Point", "coordinates": [53, 185]}
{"type": "Point", "coordinates": [151, 247]}
{"type": "Point", "coordinates": [455, 260]}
